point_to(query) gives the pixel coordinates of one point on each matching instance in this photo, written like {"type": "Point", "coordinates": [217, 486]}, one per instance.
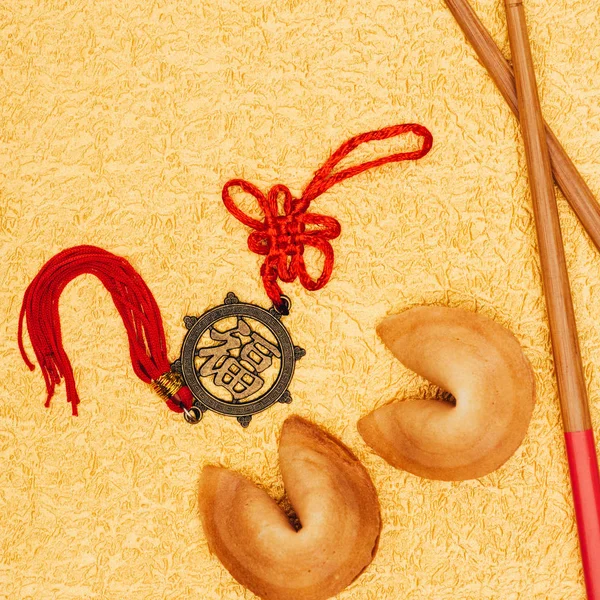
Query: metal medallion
{"type": "Point", "coordinates": [237, 359]}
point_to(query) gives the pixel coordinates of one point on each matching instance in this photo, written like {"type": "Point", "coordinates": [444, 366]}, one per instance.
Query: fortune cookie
{"type": "Point", "coordinates": [481, 364]}
{"type": "Point", "coordinates": [336, 505]}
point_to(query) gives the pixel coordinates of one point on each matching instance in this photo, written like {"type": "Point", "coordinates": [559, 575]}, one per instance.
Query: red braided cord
{"type": "Point", "coordinates": [132, 297]}
{"type": "Point", "coordinates": [282, 238]}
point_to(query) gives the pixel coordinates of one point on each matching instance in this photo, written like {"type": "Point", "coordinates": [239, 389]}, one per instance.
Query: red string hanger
{"type": "Point", "coordinates": [282, 238]}
{"type": "Point", "coordinates": [136, 305]}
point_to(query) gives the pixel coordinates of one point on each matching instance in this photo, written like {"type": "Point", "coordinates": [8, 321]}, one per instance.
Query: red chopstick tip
{"type": "Point", "coordinates": [585, 480]}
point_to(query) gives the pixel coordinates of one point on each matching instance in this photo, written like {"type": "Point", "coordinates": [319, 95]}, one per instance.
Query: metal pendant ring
{"type": "Point", "coordinates": [192, 415]}
{"type": "Point", "coordinates": [281, 346]}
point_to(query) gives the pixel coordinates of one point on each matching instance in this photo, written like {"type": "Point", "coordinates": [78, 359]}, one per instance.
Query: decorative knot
{"type": "Point", "coordinates": [281, 238]}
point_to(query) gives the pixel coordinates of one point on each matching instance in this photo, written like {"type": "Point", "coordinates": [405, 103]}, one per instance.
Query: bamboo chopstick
{"type": "Point", "coordinates": [563, 332]}
{"type": "Point", "coordinates": [570, 181]}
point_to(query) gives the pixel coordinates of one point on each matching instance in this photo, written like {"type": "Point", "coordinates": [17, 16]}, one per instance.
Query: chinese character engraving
{"type": "Point", "coordinates": [235, 364]}
{"type": "Point", "coordinates": [259, 352]}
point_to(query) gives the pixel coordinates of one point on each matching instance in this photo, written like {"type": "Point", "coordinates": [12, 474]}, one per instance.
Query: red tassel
{"type": "Point", "coordinates": [134, 301]}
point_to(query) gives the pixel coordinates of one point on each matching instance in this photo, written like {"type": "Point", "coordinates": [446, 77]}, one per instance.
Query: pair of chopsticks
{"type": "Point", "coordinates": [544, 156]}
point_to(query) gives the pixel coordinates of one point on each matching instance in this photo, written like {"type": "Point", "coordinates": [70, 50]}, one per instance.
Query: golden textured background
{"type": "Point", "coordinates": [120, 120]}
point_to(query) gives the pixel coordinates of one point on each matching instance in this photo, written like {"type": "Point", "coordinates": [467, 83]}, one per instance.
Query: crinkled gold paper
{"type": "Point", "coordinates": [120, 121]}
